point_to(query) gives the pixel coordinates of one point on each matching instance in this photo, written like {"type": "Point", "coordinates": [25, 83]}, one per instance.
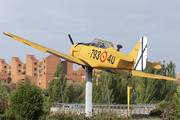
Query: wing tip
{"type": "Point", "coordinates": [7, 34]}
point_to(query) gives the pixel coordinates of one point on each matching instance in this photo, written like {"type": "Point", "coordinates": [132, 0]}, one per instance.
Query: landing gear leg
{"type": "Point", "coordinates": [130, 74]}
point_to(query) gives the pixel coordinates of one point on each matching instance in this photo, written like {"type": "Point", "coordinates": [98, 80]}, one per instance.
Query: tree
{"type": "Point", "coordinates": [5, 91]}
{"type": "Point", "coordinates": [26, 102]}
{"type": "Point", "coordinates": [152, 90]}
{"type": "Point", "coordinates": [75, 92]}
{"type": "Point", "coordinates": [100, 94]}
{"type": "Point", "coordinates": [54, 89]}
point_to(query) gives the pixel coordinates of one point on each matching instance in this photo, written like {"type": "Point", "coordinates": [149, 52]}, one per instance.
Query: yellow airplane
{"type": "Point", "coordinates": [101, 54]}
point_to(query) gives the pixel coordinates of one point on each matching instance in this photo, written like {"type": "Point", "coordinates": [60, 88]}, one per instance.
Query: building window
{"type": "Point", "coordinates": [5, 81]}
{"type": "Point", "coordinates": [2, 80]}
{"type": "Point", "coordinates": [44, 72]}
{"type": "Point", "coordinates": [19, 64]}
{"type": "Point", "coordinates": [4, 66]}
{"type": "Point", "coordinates": [34, 74]}
{"type": "Point", "coordinates": [35, 69]}
{"type": "Point", "coordinates": [44, 67]}
{"type": "Point", "coordinates": [44, 61]}
{"type": "Point", "coordinates": [19, 70]}
{"type": "Point", "coordinates": [40, 66]}
{"type": "Point", "coordinates": [5, 71]}
{"type": "Point", "coordinates": [35, 63]}
{"type": "Point", "coordinates": [39, 82]}
{"type": "Point", "coordinates": [24, 67]}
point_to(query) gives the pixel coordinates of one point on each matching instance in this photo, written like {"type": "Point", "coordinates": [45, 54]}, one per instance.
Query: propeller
{"type": "Point", "coordinates": [70, 39]}
{"type": "Point", "coordinates": [73, 44]}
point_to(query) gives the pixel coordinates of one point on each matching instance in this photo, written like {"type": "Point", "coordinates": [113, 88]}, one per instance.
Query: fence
{"type": "Point", "coordinates": [101, 108]}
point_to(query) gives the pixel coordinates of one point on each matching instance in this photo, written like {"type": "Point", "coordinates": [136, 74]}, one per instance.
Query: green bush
{"type": "Point", "coordinates": [171, 107]}
{"type": "Point", "coordinates": [61, 115]}
{"type": "Point", "coordinates": [7, 116]}
{"type": "Point", "coordinates": [155, 112]}
{"type": "Point", "coordinates": [26, 102]}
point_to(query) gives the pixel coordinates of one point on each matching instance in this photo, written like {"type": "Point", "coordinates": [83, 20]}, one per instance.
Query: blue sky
{"type": "Point", "coordinates": [48, 22]}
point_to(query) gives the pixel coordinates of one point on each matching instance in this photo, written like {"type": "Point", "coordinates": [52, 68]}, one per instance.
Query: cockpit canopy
{"type": "Point", "coordinates": [101, 43]}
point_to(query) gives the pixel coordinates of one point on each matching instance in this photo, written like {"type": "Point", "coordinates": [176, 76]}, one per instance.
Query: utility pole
{"type": "Point", "coordinates": [107, 91]}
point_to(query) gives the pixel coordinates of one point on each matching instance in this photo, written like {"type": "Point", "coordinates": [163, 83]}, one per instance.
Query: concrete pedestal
{"type": "Point", "coordinates": [88, 91]}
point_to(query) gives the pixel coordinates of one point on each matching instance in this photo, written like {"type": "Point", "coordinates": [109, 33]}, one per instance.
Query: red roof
{"type": "Point", "coordinates": [17, 60]}
{"type": "Point", "coordinates": [3, 62]}
{"type": "Point", "coordinates": [49, 56]}
{"type": "Point", "coordinates": [33, 58]}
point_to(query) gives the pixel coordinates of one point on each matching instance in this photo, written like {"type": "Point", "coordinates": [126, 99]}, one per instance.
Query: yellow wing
{"type": "Point", "coordinates": [45, 49]}
{"type": "Point", "coordinates": [141, 74]}
{"type": "Point", "coordinates": [153, 65]}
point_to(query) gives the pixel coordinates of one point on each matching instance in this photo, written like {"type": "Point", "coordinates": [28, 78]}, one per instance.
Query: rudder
{"type": "Point", "coordinates": [142, 55]}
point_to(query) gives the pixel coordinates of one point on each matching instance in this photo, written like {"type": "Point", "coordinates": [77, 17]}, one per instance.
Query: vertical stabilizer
{"type": "Point", "coordinates": [142, 55]}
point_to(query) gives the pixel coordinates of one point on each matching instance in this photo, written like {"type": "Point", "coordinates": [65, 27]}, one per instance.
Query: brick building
{"type": "Point", "coordinates": [73, 76]}
{"type": "Point", "coordinates": [4, 72]}
{"type": "Point", "coordinates": [40, 72]}
{"type": "Point", "coordinates": [46, 70]}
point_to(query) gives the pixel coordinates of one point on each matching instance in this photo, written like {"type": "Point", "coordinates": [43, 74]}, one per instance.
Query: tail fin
{"type": "Point", "coordinates": [139, 54]}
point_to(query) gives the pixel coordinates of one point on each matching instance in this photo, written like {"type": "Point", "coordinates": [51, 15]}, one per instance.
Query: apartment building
{"type": "Point", "coordinates": [46, 70]}
{"type": "Point", "coordinates": [19, 70]}
{"type": "Point", "coordinates": [40, 72]}
{"type": "Point", "coordinates": [4, 72]}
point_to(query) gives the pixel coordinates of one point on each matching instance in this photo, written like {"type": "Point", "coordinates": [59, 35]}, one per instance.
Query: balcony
{"type": "Point", "coordinates": [40, 67]}
{"type": "Point", "coordinates": [39, 74]}
{"type": "Point", "coordinates": [23, 70]}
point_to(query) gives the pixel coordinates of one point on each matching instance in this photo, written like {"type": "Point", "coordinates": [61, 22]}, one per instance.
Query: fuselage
{"type": "Point", "coordinates": [101, 56]}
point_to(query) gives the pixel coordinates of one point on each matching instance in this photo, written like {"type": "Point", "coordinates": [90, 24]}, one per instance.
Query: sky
{"type": "Point", "coordinates": [48, 23]}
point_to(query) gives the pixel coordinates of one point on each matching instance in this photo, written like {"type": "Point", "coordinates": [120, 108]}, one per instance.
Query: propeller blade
{"type": "Point", "coordinates": [71, 39]}
{"type": "Point", "coordinates": [73, 44]}
{"type": "Point", "coordinates": [83, 66]}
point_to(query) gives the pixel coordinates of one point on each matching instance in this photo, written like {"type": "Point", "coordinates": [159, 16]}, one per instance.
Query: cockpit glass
{"type": "Point", "coordinates": [103, 45]}
{"type": "Point", "coordinates": [93, 43]}
{"type": "Point", "coordinates": [108, 46]}
{"type": "Point", "coordinates": [98, 44]}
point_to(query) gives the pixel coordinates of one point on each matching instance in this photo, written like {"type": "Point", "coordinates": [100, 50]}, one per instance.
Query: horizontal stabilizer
{"type": "Point", "coordinates": [153, 65]}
